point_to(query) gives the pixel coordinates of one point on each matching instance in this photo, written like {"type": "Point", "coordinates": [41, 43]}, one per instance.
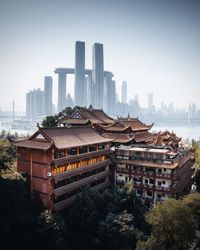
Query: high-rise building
{"type": "Point", "coordinates": [111, 100]}
{"type": "Point", "coordinates": [150, 100]}
{"type": "Point", "coordinates": [107, 91]}
{"type": "Point", "coordinates": [98, 74]}
{"type": "Point", "coordinates": [47, 95]}
{"type": "Point", "coordinates": [80, 86]}
{"type": "Point", "coordinates": [34, 103]}
{"type": "Point", "coordinates": [61, 91]}
{"type": "Point", "coordinates": [124, 92]}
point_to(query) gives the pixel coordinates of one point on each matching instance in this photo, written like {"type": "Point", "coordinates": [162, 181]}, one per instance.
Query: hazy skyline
{"type": "Point", "coordinates": [153, 45]}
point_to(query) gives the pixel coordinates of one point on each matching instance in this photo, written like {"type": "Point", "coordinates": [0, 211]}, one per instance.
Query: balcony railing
{"type": "Point", "coordinates": [80, 170]}
{"type": "Point", "coordinates": [68, 202]}
{"type": "Point", "coordinates": [80, 183]}
{"type": "Point", "coordinates": [75, 158]}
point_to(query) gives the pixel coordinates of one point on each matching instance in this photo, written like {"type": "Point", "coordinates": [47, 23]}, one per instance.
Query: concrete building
{"type": "Point", "coordinates": [80, 85]}
{"type": "Point", "coordinates": [124, 92]}
{"type": "Point", "coordinates": [34, 103]}
{"type": "Point", "coordinates": [150, 102]}
{"type": "Point", "coordinates": [48, 95]}
{"type": "Point", "coordinates": [98, 74]}
{"type": "Point", "coordinates": [158, 172]}
{"type": "Point", "coordinates": [61, 89]}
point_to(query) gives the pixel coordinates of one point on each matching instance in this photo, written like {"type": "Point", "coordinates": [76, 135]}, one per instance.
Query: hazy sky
{"type": "Point", "coordinates": [154, 45]}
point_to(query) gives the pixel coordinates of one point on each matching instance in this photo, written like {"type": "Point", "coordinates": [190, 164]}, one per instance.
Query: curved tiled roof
{"type": "Point", "coordinates": [63, 137]}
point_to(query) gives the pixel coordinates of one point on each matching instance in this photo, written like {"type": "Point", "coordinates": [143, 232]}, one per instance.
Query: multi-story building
{"type": "Point", "coordinates": [124, 92]}
{"type": "Point", "coordinates": [34, 103]}
{"type": "Point", "coordinates": [98, 74]}
{"type": "Point", "coordinates": [80, 86]}
{"type": "Point", "coordinates": [48, 95]}
{"type": "Point", "coordinates": [158, 172]}
{"type": "Point", "coordinates": [59, 162]}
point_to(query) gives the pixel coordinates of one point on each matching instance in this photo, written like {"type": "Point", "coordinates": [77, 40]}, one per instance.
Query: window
{"type": "Point", "coordinates": [92, 148]}
{"type": "Point", "coordinates": [151, 181]}
{"type": "Point", "coordinates": [101, 146]}
{"type": "Point", "coordinates": [164, 169]}
{"type": "Point", "coordinates": [149, 193]}
{"type": "Point", "coordinates": [159, 196]}
{"type": "Point", "coordinates": [146, 181]}
{"type": "Point", "coordinates": [159, 170]}
{"type": "Point", "coordinates": [159, 183]}
{"type": "Point", "coordinates": [126, 178]}
{"type": "Point", "coordinates": [72, 151]}
{"type": "Point", "coordinates": [163, 182]}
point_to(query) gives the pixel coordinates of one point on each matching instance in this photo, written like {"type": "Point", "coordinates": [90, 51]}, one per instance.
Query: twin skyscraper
{"type": "Point", "coordinates": [91, 86]}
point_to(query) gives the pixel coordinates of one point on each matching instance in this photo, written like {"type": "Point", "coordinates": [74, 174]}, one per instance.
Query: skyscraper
{"type": "Point", "coordinates": [150, 101]}
{"type": "Point", "coordinates": [61, 91]}
{"type": "Point", "coordinates": [80, 84]}
{"type": "Point", "coordinates": [34, 103]}
{"type": "Point", "coordinates": [124, 92]}
{"type": "Point", "coordinates": [98, 74]}
{"type": "Point", "coordinates": [47, 95]}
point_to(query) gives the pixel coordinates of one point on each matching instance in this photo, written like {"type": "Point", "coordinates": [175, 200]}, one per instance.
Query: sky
{"type": "Point", "coordinates": [154, 45]}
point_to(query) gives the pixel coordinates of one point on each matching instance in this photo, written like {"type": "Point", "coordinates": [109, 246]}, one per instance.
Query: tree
{"type": "Point", "coordinates": [117, 232]}
{"type": "Point", "coordinates": [197, 179]}
{"type": "Point", "coordinates": [173, 226]}
{"type": "Point", "coordinates": [50, 121]}
{"type": "Point", "coordinates": [7, 155]}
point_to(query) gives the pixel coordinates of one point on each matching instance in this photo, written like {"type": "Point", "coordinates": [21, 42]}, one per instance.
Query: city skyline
{"type": "Point", "coordinates": [154, 47]}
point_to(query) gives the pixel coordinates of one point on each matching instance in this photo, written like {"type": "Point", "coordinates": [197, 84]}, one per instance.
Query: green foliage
{"type": "Point", "coordinates": [50, 121]}
{"type": "Point", "coordinates": [173, 226]}
{"type": "Point", "coordinates": [117, 231]}
{"type": "Point", "coordinates": [197, 179]}
{"type": "Point", "coordinates": [7, 155]}
{"type": "Point", "coordinates": [53, 121]}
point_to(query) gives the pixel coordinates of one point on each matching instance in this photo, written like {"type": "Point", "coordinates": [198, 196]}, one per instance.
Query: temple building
{"type": "Point", "coordinates": [90, 116]}
{"type": "Point", "coordinates": [59, 162]}
{"type": "Point", "coordinates": [91, 148]}
{"type": "Point", "coordinates": [158, 172]}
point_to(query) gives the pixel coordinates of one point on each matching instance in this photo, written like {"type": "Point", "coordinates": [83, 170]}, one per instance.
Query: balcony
{"type": "Point", "coordinates": [81, 170]}
{"type": "Point", "coordinates": [122, 170]}
{"type": "Point", "coordinates": [163, 188]}
{"type": "Point", "coordinates": [80, 183]}
{"type": "Point", "coordinates": [68, 202]}
{"type": "Point", "coordinates": [75, 158]}
{"type": "Point", "coordinates": [163, 175]}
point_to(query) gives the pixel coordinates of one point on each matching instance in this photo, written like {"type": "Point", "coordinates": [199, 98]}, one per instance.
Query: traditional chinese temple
{"type": "Point", "coordinates": [60, 161]}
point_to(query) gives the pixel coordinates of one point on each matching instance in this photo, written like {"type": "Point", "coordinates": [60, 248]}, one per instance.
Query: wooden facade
{"type": "Point", "coordinates": [59, 162]}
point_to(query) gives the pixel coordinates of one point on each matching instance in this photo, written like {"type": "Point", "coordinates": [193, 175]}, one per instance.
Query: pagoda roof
{"type": "Point", "coordinates": [145, 136]}
{"type": "Point", "coordinates": [135, 124]}
{"type": "Point", "coordinates": [165, 138]}
{"type": "Point", "coordinates": [120, 138]}
{"type": "Point", "coordinates": [116, 126]}
{"type": "Point", "coordinates": [94, 116]}
{"type": "Point", "coordinates": [63, 137]}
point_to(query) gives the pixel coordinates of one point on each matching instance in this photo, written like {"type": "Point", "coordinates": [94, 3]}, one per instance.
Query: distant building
{"type": "Point", "coordinates": [61, 90]}
{"type": "Point", "coordinates": [124, 92]}
{"type": "Point", "coordinates": [48, 95]}
{"type": "Point", "coordinates": [34, 103]}
{"type": "Point", "coordinates": [150, 102]}
{"type": "Point", "coordinates": [69, 101]}
{"type": "Point", "coordinates": [80, 86]}
{"type": "Point", "coordinates": [98, 74]}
